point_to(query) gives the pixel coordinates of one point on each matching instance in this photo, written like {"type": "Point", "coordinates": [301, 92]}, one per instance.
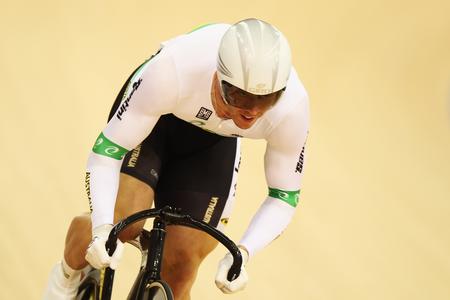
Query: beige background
{"type": "Point", "coordinates": [374, 216]}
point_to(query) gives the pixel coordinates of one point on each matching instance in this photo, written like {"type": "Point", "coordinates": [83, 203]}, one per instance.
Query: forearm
{"type": "Point", "coordinates": [102, 182]}
{"type": "Point", "coordinates": [267, 224]}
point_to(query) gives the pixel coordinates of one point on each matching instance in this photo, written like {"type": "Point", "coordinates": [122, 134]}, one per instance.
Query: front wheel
{"type": "Point", "coordinates": [90, 286]}
{"type": "Point", "coordinates": [158, 290]}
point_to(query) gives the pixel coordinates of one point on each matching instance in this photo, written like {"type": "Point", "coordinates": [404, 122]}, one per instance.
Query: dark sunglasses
{"type": "Point", "coordinates": [239, 98]}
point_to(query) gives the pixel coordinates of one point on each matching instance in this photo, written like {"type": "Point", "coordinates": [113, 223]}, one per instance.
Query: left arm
{"type": "Point", "coordinates": [283, 163]}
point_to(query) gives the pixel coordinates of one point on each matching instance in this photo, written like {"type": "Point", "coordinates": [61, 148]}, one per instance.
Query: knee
{"type": "Point", "coordinates": [180, 267]}
{"type": "Point", "coordinates": [80, 226]}
{"type": "Point", "coordinates": [77, 239]}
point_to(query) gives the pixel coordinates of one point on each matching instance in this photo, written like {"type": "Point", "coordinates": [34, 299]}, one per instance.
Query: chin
{"type": "Point", "coordinates": [243, 125]}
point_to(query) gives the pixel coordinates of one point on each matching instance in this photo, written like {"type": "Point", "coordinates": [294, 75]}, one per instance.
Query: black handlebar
{"type": "Point", "coordinates": [171, 216]}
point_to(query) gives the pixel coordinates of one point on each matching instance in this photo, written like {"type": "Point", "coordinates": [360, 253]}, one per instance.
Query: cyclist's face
{"type": "Point", "coordinates": [244, 117]}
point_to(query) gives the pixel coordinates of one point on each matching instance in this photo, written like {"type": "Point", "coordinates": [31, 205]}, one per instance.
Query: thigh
{"type": "Point", "coordinates": [187, 243]}
{"type": "Point", "coordinates": [145, 162]}
{"type": "Point", "coordinates": [184, 250]}
{"type": "Point", "coordinates": [133, 196]}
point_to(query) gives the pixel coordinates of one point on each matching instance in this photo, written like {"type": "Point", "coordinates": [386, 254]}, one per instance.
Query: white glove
{"type": "Point", "coordinates": [237, 284]}
{"type": "Point", "coordinates": [96, 253]}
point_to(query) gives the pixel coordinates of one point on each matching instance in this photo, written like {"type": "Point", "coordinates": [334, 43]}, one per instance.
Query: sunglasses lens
{"type": "Point", "coordinates": [237, 97]}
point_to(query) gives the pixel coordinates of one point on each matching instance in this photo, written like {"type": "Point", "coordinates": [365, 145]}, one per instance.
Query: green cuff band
{"type": "Point", "coordinates": [105, 147]}
{"type": "Point", "coordinates": [290, 197]}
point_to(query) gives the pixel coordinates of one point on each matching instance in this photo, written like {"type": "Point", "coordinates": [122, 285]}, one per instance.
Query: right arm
{"type": "Point", "coordinates": [150, 94]}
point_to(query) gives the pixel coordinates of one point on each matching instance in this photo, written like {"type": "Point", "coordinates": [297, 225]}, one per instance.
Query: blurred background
{"type": "Point", "coordinates": [374, 216]}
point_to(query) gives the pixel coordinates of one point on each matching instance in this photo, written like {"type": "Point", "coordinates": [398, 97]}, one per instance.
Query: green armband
{"type": "Point", "coordinates": [103, 146]}
{"type": "Point", "coordinates": [290, 197]}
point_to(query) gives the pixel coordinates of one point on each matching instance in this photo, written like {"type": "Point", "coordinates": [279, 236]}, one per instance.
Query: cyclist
{"type": "Point", "coordinates": [173, 137]}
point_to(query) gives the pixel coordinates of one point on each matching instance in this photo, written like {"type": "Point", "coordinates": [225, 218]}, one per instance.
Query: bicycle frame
{"type": "Point", "coordinates": [150, 272]}
{"type": "Point", "coordinates": [151, 269]}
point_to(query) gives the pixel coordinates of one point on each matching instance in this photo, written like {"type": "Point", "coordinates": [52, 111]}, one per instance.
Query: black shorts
{"type": "Point", "coordinates": [187, 167]}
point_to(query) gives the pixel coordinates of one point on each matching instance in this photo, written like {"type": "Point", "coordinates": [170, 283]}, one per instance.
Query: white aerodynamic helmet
{"type": "Point", "coordinates": [255, 57]}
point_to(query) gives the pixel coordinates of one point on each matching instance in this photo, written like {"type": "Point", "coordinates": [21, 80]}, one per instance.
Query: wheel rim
{"type": "Point", "coordinates": [157, 291]}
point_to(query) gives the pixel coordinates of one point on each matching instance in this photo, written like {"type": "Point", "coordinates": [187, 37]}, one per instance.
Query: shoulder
{"type": "Point", "coordinates": [194, 55]}
{"type": "Point", "coordinates": [196, 42]}
{"type": "Point", "coordinates": [196, 51]}
{"type": "Point", "coordinates": [155, 84]}
{"type": "Point", "coordinates": [207, 31]}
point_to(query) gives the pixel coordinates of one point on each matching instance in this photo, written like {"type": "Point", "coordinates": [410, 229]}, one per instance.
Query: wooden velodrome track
{"type": "Point", "coordinates": [374, 216]}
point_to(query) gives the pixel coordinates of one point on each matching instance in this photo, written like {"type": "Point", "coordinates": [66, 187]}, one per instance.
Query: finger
{"type": "Point", "coordinates": [101, 254]}
{"type": "Point", "coordinates": [117, 255]}
{"type": "Point", "coordinates": [239, 283]}
{"type": "Point", "coordinates": [222, 270]}
{"type": "Point", "coordinates": [226, 290]}
{"type": "Point", "coordinates": [96, 255]}
{"type": "Point", "coordinates": [92, 259]}
{"type": "Point", "coordinates": [236, 285]}
{"type": "Point", "coordinates": [221, 276]}
{"type": "Point", "coordinates": [89, 259]}
{"type": "Point", "coordinates": [218, 283]}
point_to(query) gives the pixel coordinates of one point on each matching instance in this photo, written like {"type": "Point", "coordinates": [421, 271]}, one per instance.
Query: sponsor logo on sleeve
{"type": "Point", "coordinates": [103, 146]}
{"type": "Point", "coordinates": [204, 113]}
{"type": "Point", "coordinates": [290, 197]}
{"type": "Point", "coordinates": [299, 167]}
{"type": "Point", "coordinates": [123, 108]}
{"type": "Point", "coordinates": [87, 185]}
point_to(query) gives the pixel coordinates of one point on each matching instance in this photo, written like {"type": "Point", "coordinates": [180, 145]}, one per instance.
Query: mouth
{"type": "Point", "coordinates": [247, 118]}
{"type": "Point", "coordinates": [243, 121]}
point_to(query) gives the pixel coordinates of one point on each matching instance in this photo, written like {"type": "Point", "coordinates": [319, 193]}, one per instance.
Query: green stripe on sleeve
{"type": "Point", "coordinates": [103, 146]}
{"type": "Point", "coordinates": [290, 197]}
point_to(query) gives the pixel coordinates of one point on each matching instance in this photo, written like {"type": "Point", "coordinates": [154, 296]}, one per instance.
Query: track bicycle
{"type": "Point", "coordinates": [148, 285]}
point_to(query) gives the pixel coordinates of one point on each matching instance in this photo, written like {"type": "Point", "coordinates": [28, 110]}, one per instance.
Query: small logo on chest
{"type": "Point", "coordinates": [204, 113]}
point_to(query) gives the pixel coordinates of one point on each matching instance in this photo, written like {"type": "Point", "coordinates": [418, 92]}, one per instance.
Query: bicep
{"type": "Point", "coordinates": [132, 131]}
{"type": "Point", "coordinates": [283, 168]}
{"type": "Point", "coordinates": [150, 93]}
{"type": "Point", "coordinates": [285, 154]}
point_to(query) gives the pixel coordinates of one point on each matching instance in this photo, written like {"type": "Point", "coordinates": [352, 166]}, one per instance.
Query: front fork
{"type": "Point", "coordinates": [155, 251]}
{"type": "Point", "coordinates": [152, 260]}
